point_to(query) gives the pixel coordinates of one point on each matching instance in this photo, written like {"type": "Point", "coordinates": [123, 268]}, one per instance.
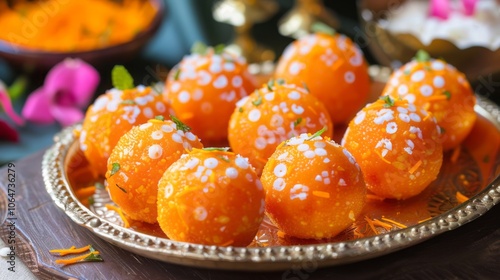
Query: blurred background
{"type": "Point", "coordinates": [184, 23]}
{"type": "Point", "coordinates": [188, 21]}
{"type": "Point", "coordinates": [192, 20]}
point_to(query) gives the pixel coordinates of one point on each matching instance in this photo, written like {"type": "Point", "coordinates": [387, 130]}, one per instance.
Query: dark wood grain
{"type": "Point", "coordinates": [471, 251]}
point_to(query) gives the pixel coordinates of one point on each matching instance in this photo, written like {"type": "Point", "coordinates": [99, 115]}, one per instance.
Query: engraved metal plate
{"type": "Point", "coordinates": [437, 210]}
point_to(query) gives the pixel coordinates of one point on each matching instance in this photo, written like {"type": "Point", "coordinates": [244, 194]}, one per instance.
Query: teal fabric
{"type": "Point", "coordinates": [186, 22]}
{"type": "Point", "coordinates": [178, 32]}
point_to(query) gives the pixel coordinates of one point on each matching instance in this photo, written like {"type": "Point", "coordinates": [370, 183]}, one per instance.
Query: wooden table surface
{"type": "Point", "coordinates": [471, 251]}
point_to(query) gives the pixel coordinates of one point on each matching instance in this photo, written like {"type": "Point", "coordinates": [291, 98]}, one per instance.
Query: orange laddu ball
{"type": "Point", "coordinates": [211, 197]}
{"type": "Point", "coordinates": [203, 90]}
{"type": "Point", "coordinates": [112, 115]}
{"type": "Point", "coordinates": [397, 145]}
{"type": "Point", "coordinates": [334, 70]}
{"type": "Point", "coordinates": [314, 188]}
{"type": "Point", "coordinates": [440, 89]}
{"type": "Point", "coordinates": [272, 114]}
{"type": "Point", "coordinates": [138, 161]}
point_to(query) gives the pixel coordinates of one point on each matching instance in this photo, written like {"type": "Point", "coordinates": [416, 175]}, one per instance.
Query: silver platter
{"type": "Point", "coordinates": [261, 256]}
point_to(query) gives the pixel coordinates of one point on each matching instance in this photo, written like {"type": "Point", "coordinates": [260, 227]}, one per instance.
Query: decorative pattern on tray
{"type": "Point", "coordinates": [388, 225]}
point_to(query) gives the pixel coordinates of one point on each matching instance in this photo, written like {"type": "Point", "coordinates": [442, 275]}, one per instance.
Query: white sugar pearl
{"type": "Point", "coordinates": [295, 68]}
{"type": "Point", "coordinates": [403, 89]}
{"type": "Point", "coordinates": [241, 162]}
{"type": "Point", "coordinates": [231, 172]}
{"type": "Point", "coordinates": [349, 77]}
{"type": "Point", "coordinates": [294, 95]}
{"type": "Point", "coordinates": [303, 147]}
{"type": "Point", "coordinates": [157, 135]}
{"type": "Point", "coordinates": [391, 128]}
{"type": "Point", "coordinates": [279, 184]}
{"type": "Point", "coordinates": [437, 65]}
{"type": "Point", "coordinates": [183, 96]}
{"type": "Point", "coordinates": [220, 82]}
{"type": "Point", "coordinates": [360, 117]}
{"type": "Point", "coordinates": [426, 90]}
{"type": "Point", "coordinates": [418, 76]}
{"type": "Point", "coordinates": [211, 163]}
{"type": "Point", "coordinates": [254, 115]}
{"type": "Point", "coordinates": [155, 151]}
{"type": "Point", "coordinates": [280, 170]}
{"type": "Point", "coordinates": [200, 213]}
{"type": "Point", "coordinates": [438, 81]}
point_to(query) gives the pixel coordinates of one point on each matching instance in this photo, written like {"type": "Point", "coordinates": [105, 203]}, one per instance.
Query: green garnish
{"type": "Point", "coordinates": [160, 118]}
{"type": "Point", "coordinates": [122, 189]}
{"type": "Point", "coordinates": [91, 200]}
{"type": "Point", "coordinates": [177, 74]}
{"type": "Point", "coordinates": [442, 130]}
{"type": "Point", "coordinates": [304, 85]}
{"type": "Point", "coordinates": [240, 109]}
{"type": "Point", "coordinates": [220, 149]}
{"type": "Point", "coordinates": [270, 84]}
{"type": "Point", "coordinates": [422, 56]}
{"type": "Point", "coordinates": [219, 49]}
{"type": "Point", "coordinates": [91, 249]}
{"type": "Point", "coordinates": [448, 94]}
{"type": "Point", "coordinates": [389, 102]}
{"type": "Point", "coordinates": [121, 78]}
{"type": "Point", "coordinates": [115, 166]}
{"type": "Point", "coordinates": [320, 27]}
{"type": "Point", "coordinates": [297, 122]}
{"type": "Point", "coordinates": [93, 257]}
{"type": "Point", "coordinates": [258, 101]}
{"type": "Point", "coordinates": [318, 133]}
{"type": "Point", "coordinates": [224, 158]}
{"type": "Point", "coordinates": [99, 185]}
{"type": "Point", "coordinates": [128, 102]}
{"type": "Point", "coordinates": [199, 48]}
{"type": "Point", "coordinates": [406, 72]}
{"type": "Point", "coordinates": [280, 81]}
{"type": "Point", "coordinates": [18, 87]}
{"type": "Point", "coordinates": [180, 125]}
{"type": "Point", "coordinates": [426, 67]}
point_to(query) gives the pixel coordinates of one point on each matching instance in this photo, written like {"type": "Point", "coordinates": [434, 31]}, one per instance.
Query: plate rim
{"type": "Point", "coordinates": [258, 258]}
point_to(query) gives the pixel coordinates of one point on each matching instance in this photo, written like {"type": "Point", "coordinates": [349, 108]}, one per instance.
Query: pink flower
{"type": "Point", "coordinates": [7, 132]}
{"type": "Point", "coordinates": [469, 7]}
{"type": "Point", "coordinates": [67, 90]}
{"type": "Point", "coordinates": [441, 8]}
